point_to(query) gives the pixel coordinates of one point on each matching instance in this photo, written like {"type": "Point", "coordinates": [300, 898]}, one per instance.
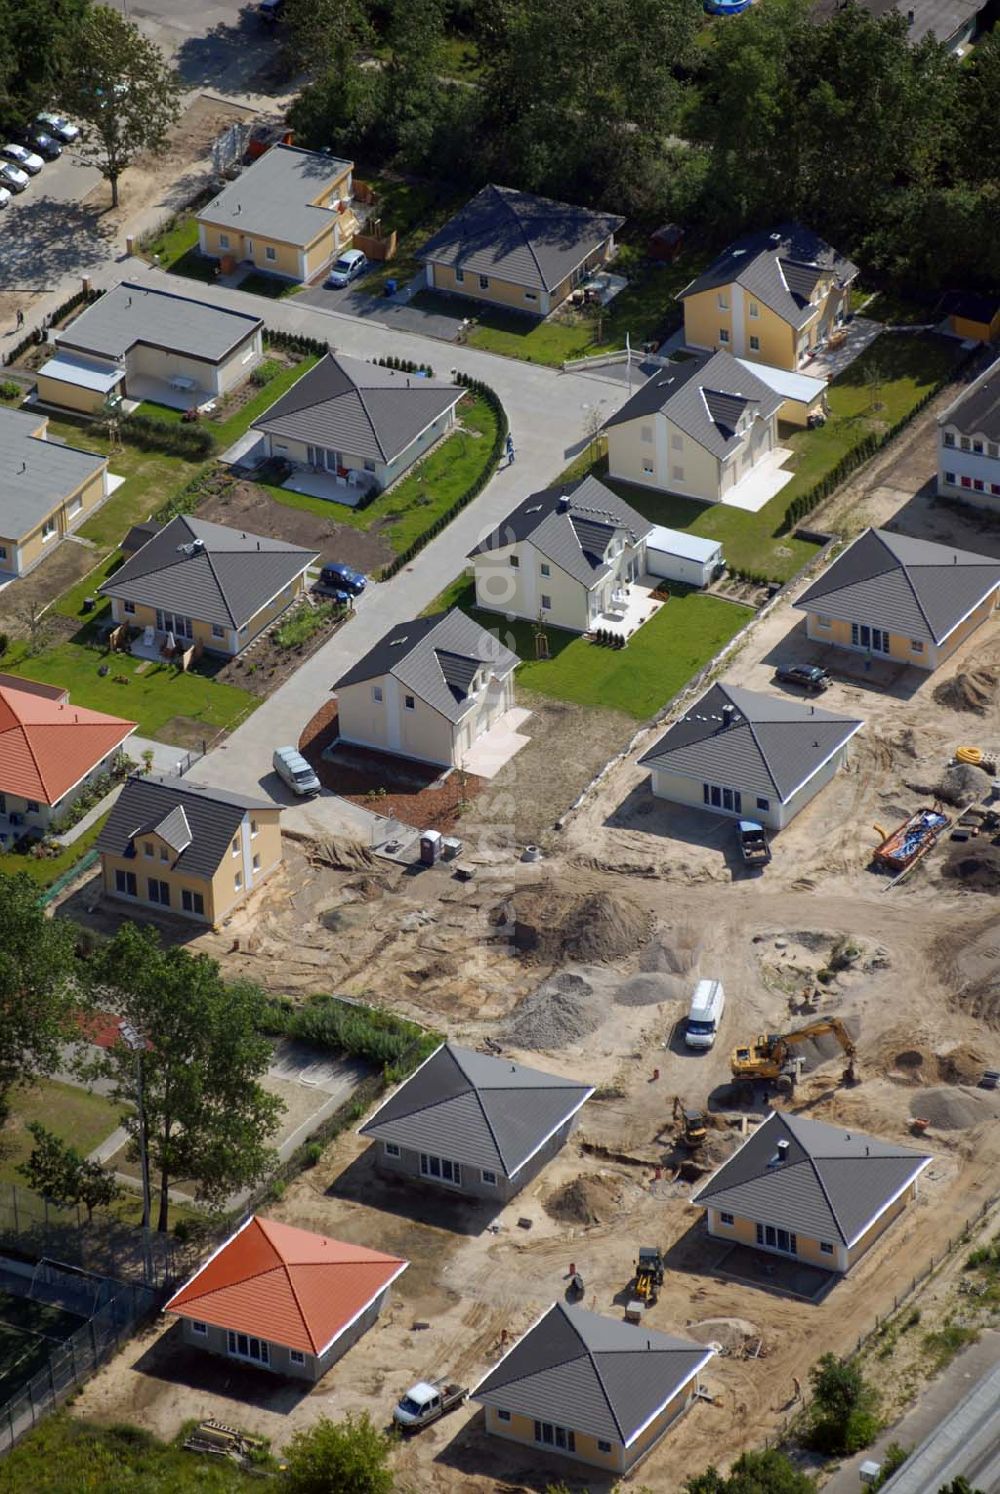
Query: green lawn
{"type": "Point", "coordinates": [226, 431]}
{"type": "Point", "coordinates": [45, 870]}
{"type": "Point", "coordinates": [176, 248]}
{"type": "Point", "coordinates": [660, 658]}
{"type": "Point", "coordinates": [416, 210]}
{"type": "Point", "coordinates": [73, 1114]}
{"type": "Point", "coordinates": [64, 1455]}
{"type": "Point", "coordinates": [436, 483]}
{"type": "Point", "coordinates": [271, 286]}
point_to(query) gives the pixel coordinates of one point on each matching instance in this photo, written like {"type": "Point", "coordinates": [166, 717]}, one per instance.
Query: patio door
{"type": "Point", "coordinates": [334, 460]}
{"type": "Point", "coordinates": [875, 639]}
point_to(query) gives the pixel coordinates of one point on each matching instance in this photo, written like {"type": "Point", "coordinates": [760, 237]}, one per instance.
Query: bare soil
{"type": "Point", "coordinates": [68, 563]}
{"type": "Point", "coordinates": [246, 505]}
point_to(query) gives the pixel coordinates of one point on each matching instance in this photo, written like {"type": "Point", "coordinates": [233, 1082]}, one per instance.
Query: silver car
{"type": "Point", "coordinates": [13, 177]}
{"type": "Point", "coordinates": [59, 126]}
{"type": "Point", "coordinates": [4, 196]}
{"type": "Point", "coordinates": [23, 158]}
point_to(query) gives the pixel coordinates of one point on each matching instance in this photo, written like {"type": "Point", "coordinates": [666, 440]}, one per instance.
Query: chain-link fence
{"type": "Point", "coordinates": [36, 1228]}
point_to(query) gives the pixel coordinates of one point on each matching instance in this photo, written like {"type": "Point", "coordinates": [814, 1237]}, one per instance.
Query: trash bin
{"type": "Point", "coordinates": [391, 287]}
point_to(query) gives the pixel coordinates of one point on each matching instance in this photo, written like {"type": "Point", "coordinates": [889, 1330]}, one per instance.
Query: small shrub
{"type": "Point", "coordinates": [4, 644]}
{"type": "Point", "coordinates": [313, 1153]}
{"type": "Point", "coordinates": [265, 372]}
{"type": "Point", "coordinates": [10, 389]}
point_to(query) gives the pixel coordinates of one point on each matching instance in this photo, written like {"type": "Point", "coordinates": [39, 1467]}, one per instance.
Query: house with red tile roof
{"type": "Point", "coordinates": [50, 752]}
{"type": "Point", "coordinates": [284, 1299]}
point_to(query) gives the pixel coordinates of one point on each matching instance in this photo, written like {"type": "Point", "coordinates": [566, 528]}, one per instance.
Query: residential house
{"type": "Point", "coordinates": [565, 556]}
{"type": "Point", "coordinates": [741, 753]}
{"type": "Point", "coordinates": [284, 1299]}
{"type": "Point", "coordinates": [51, 752]}
{"type": "Point", "coordinates": [773, 297]}
{"type": "Point", "coordinates": [799, 1187]}
{"type": "Point", "coordinates": [478, 1126]}
{"type": "Point", "coordinates": [908, 600]}
{"type": "Point", "coordinates": [288, 213]}
{"type": "Point", "coordinates": [360, 424]}
{"type": "Point", "coordinates": [803, 396]}
{"type": "Point", "coordinates": [430, 689]}
{"type": "Point", "coordinates": [184, 848]}
{"type": "Point", "coordinates": [518, 251]}
{"type": "Point", "coordinates": [142, 344]}
{"type": "Point", "coordinates": [969, 443]}
{"type": "Point", "coordinates": [952, 23]}
{"type": "Point", "coordinates": [206, 584]}
{"type": "Point", "coordinates": [973, 316]}
{"type": "Point", "coordinates": [46, 489]}
{"type": "Point", "coordinates": [704, 428]}
{"type": "Point", "coordinates": [594, 1389]}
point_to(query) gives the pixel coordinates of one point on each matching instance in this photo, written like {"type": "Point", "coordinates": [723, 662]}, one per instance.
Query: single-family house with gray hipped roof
{"type": "Point", "coordinates": [137, 342]}
{"type": "Point", "coordinates": [430, 689]}
{"type": "Point", "coordinates": [822, 1194]}
{"type": "Point", "coordinates": [520, 251]}
{"type": "Point", "coordinates": [477, 1125]}
{"type": "Point", "coordinates": [705, 428]}
{"type": "Point", "coordinates": [752, 756]}
{"type": "Point", "coordinates": [207, 584]}
{"type": "Point", "coordinates": [591, 1388]}
{"type": "Point", "coordinates": [952, 23]}
{"type": "Point", "coordinates": [909, 600]}
{"type": "Point", "coordinates": [46, 489]}
{"type": "Point", "coordinates": [563, 555]}
{"type": "Point", "coordinates": [361, 424]}
{"type": "Point", "coordinates": [969, 443]}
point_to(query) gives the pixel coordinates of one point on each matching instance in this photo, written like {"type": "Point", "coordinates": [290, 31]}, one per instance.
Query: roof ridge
{"type": "Point", "coordinates": [816, 1174]}
{"type": "Point", "coordinates": [901, 565]}
{"type": "Point", "coordinates": [368, 415]}
{"type": "Point", "coordinates": [207, 554]}
{"type": "Point", "coordinates": [526, 237]}
{"type": "Point", "coordinates": [474, 1088]}
{"type": "Point", "coordinates": [756, 740]}
{"type": "Point", "coordinates": [597, 1371]}
{"type": "Point", "coordinates": [286, 1267]}
{"type": "Point", "coordinates": [31, 751]}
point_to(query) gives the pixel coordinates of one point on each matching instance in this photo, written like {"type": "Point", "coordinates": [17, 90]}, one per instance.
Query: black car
{"type": "Point", "coordinates": [806, 676]}
{"type": "Point", "coordinates": [45, 144]}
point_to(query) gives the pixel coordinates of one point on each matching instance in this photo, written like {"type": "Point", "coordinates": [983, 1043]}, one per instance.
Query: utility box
{"type": "Point", "coordinates": [869, 1472]}
{"type": "Point", "coordinates": [430, 847]}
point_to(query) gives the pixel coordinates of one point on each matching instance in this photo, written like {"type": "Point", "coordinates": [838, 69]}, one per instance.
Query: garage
{"type": "Point", "coordinates": [688, 558]}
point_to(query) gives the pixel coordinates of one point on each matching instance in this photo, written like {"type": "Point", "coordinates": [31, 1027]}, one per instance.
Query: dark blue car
{"type": "Point", "coordinates": [339, 577]}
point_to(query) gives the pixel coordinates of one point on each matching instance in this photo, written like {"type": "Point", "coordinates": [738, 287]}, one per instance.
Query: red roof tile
{"type": "Point", "coordinates": [47, 746]}
{"type": "Point", "coordinates": [286, 1285]}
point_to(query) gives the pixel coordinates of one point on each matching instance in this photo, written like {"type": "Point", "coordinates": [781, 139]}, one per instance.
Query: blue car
{"type": "Point", "coordinates": [339, 577]}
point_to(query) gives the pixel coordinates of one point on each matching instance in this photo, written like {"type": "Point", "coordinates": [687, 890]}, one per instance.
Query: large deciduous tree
{"type": "Point", "coordinates": [123, 92]}
{"type": "Point", "coordinates": [36, 992]}
{"type": "Point", "coordinates": [59, 1172]}
{"type": "Point", "coordinates": [769, 1472]}
{"type": "Point", "coordinates": [37, 44]}
{"type": "Point", "coordinates": [208, 1117]}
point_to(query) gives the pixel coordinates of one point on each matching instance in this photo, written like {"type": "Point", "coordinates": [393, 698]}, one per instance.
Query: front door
{"type": "Point", "coordinates": [248, 248]}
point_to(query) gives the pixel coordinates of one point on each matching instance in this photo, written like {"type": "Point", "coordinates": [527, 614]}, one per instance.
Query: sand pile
{"type": "Point", "coordinates": [674, 951]}
{"type": "Point", "coordinates": [559, 1012]}
{"type": "Point", "coordinates": [731, 1333]}
{"type": "Point", "coordinates": [963, 784]}
{"type": "Point", "coordinates": [971, 690]}
{"type": "Point", "coordinates": [593, 1199]}
{"type": "Point", "coordinates": [952, 1109]}
{"type": "Point", "coordinates": [976, 866]}
{"type": "Point", "coordinates": [555, 927]}
{"type": "Point", "coordinates": [648, 990]}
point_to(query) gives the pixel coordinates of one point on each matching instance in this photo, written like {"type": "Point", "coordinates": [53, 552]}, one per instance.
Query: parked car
{"type": "Point", "coordinates": [45, 144]}
{"type": "Point", "coordinates": [269, 11]}
{"type": "Point", "coordinates": [59, 126]}
{"type": "Point", "coordinates": [337, 577]}
{"type": "Point", "coordinates": [347, 268]}
{"type": "Point", "coordinates": [23, 157]}
{"type": "Point", "coordinates": [4, 196]}
{"type": "Point", "coordinates": [13, 177]}
{"type": "Point", "coordinates": [806, 676]}
{"type": "Point", "coordinates": [293, 770]}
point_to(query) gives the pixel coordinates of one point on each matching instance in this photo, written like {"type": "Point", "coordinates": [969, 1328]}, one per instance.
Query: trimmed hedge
{"type": "Point", "coordinates": [293, 343]}
{"type": "Point", "coordinates": [194, 442]}
{"type": "Point", "coordinates": [405, 365]}
{"type": "Point", "coordinates": [474, 386]}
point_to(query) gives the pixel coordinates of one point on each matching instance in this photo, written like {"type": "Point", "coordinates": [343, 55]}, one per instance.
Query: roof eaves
{"type": "Point", "coordinates": [922, 1163]}
{"type": "Point", "coordinates": [708, 1354]}
{"type": "Point", "coordinates": [363, 1309]}
{"type": "Point", "coordinates": [167, 1306]}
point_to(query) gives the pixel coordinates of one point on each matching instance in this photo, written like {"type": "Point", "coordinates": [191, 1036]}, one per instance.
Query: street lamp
{"type": "Point", "coordinates": [134, 1040]}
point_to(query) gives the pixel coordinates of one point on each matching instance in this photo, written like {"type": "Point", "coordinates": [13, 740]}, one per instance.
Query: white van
{"type": "Point", "coordinates": [707, 1005]}
{"type": "Point", "coordinates": [292, 768]}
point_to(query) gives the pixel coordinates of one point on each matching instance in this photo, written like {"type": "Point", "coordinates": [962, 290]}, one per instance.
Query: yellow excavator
{"type": "Point", "coordinates": [772, 1056]}
{"type": "Point", "coordinates": [689, 1125]}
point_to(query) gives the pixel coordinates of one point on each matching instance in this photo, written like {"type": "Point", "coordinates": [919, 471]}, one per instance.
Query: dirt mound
{"type": "Point", "coordinates": [962, 784]}
{"type": "Point", "coordinates": [820, 1049]}
{"type": "Point", "coordinates": [648, 990]}
{"type": "Point", "coordinates": [674, 951]}
{"type": "Point", "coordinates": [960, 1065]}
{"type": "Point", "coordinates": [555, 927]}
{"type": "Point", "coordinates": [952, 1109]}
{"type": "Point", "coordinates": [971, 690]}
{"type": "Point", "coordinates": [975, 866]}
{"type": "Point", "coordinates": [594, 1199]}
{"type": "Point", "coordinates": [731, 1333]}
{"type": "Point", "coordinates": [559, 1012]}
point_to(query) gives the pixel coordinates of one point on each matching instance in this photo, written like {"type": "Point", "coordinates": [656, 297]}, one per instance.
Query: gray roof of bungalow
{"type": "Point", "coordinates": [273, 197]}
{"type": "Point", "coordinates": [826, 1182]}
{"type": "Point", "coordinates": [208, 571]}
{"type": "Point", "coordinates": [36, 474]}
{"type": "Point", "coordinates": [760, 744]}
{"type": "Point", "coordinates": [518, 237]}
{"type": "Point", "coordinates": [977, 411]}
{"type": "Point", "coordinates": [592, 1374]}
{"type": "Point", "coordinates": [197, 822]}
{"type": "Point", "coordinates": [780, 267]}
{"type": "Point", "coordinates": [909, 586]}
{"type": "Point", "coordinates": [479, 1110]}
{"type": "Point", "coordinates": [571, 526]}
{"type": "Point", "coordinates": [357, 407]}
{"type": "Point", "coordinates": [436, 658]}
{"type": "Point", "coordinates": [129, 314]}
{"type": "Point", "coordinates": [941, 19]}
{"type": "Point", "coordinates": [704, 396]}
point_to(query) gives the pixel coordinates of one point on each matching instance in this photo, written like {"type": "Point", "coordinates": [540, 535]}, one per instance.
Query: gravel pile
{"type": "Point", "coordinates": [650, 989]}
{"type": "Point", "coordinates": [951, 1109]}
{"type": "Point", "coordinates": [675, 952]}
{"type": "Point", "coordinates": [561, 1011]}
{"type": "Point", "coordinates": [963, 784]}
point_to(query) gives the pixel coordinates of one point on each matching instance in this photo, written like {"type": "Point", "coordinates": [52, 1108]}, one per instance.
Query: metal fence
{"type": "Point", "coordinates": [36, 1229]}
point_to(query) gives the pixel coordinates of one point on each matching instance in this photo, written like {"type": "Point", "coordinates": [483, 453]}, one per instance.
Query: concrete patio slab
{"type": "Point", "coordinates": [830, 362]}
{"type": "Point", "coordinates": [761, 484]}
{"type": "Point", "coordinates": [503, 741]}
{"type": "Point", "coordinates": [325, 485]}
{"type": "Point", "coordinates": [249, 451]}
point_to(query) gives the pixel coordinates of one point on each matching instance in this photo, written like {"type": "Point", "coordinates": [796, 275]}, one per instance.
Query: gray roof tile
{"type": "Point", "coordinates": [515, 236]}
{"type": "Point", "coordinates": [36, 475]}
{"type": "Point", "coordinates": [357, 407]}
{"type": "Point", "coordinates": [273, 196]}
{"type": "Point", "coordinates": [153, 805]}
{"type": "Point", "coordinates": [129, 314]}
{"type": "Point", "coordinates": [591, 1374]}
{"type": "Point", "coordinates": [703, 396]}
{"type": "Point", "coordinates": [758, 743]}
{"type": "Point", "coordinates": [779, 267]}
{"type": "Point", "coordinates": [226, 579]}
{"type": "Point", "coordinates": [912, 587]}
{"type": "Point", "coordinates": [977, 412]}
{"type": "Point", "coordinates": [832, 1184]}
{"type": "Point", "coordinates": [476, 1109]}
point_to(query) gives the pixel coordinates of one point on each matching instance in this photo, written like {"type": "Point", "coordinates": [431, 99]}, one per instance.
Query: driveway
{"type": "Point", "coordinates": [353, 300]}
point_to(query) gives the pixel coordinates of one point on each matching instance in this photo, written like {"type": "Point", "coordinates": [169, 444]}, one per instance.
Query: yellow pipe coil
{"type": "Point", "coordinates": [972, 755]}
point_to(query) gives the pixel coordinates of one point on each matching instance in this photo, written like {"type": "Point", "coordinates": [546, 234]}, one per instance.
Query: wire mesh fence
{"type": "Point", "coordinates": [35, 1228]}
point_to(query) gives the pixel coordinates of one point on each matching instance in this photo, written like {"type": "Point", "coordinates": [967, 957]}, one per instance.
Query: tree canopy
{"type": "Point", "coordinates": [58, 1171]}
{"type": "Point", "coordinates": [36, 991]}
{"type": "Point", "coordinates": [769, 1472]}
{"type": "Point", "coordinates": [338, 1457]}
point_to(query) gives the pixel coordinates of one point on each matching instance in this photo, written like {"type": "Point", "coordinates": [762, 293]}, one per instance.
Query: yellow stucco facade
{"type": "Point", "coordinates": [213, 638]}
{"type": "Point", "coordinates": [70, 396]}
{"type": "Point", "coordinates": [730, 317]}
{"type": "Point", "coordinates": [496, 291]}
{"type": "Point", "coordinates": [291, 257]}
{"type": "Point", "coordinates": [920, 653]}
{"type": "Point", "coordinates": [20, 552]}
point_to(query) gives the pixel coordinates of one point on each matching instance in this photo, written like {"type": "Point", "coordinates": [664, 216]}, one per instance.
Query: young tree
{"type": "Point", "coordinates": [123, 92]}
{"type": "Point", "coordinates": [844, 1405]}
{"type": "Point", "coordinates": [36, 997]}
{"type": "Point", "coordinates": [767, 1472]}
{"type": "Point", "coordinates": [208, 1117]}
{"type": "Point", "coordinates": [58, 1171]}
{"type": "Point", "coordinates": [339, 1457]}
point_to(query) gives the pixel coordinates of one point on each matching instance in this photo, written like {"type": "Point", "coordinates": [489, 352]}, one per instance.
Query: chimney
{"type": "Point", "coordinates": [782, 1150]}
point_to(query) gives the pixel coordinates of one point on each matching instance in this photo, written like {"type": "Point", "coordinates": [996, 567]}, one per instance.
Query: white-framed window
{"type": "Point", "coordinates": [762, 803]}
{"type": "Point", "coordinates": [993, 449]}
{"type": "Point", "coordinates": [646, 433]}
{"type": "Point", "coordinates": [950, 478]}
{"type": "Point", "coordinates": [545, 569]}
{"type": "Point", "coordinates": [647, 468]}
{"type": "Point", "coordinates": [677, 473]}
{"type": "Point", "coordinates": [916, 646]}
{"type": "Point", "coordinates": [723, 301]}
{"type": "Point", "coordinates": [977, 447]}
{"type": "Point", "coordinates": [717, 796]}
{"type": "Point", "coordinates": [546, 602]}
{"type": "Point", "coordinates": [129, 608]}
{"type": "Point", "coordinates": [218, 631]}
{"type": "Point", "coordinates": [978, 484]}
{"type": "Point", "coordinates": [459, 276]}
{"type": "Point", "coordinates": [484, 282]}
{"type": "Point", "coordinates": [125, 883]}
{"type": "Point", "coordinates": [148, 849]}
{"type": "Point", "coordinates": [825, 1248]}
{"type": "Point", "coordinates": [966, 444]}
{"type": "Point", "coordinates": [530, 296]}
{"type": "Point", "coordinates": [256, 863]}
{"type": "Point", "coordinates": [441, 1168]}
{"type": "Point", "coordinates": [489, 1177]}
{"type": "Point", "coordinates": [726, 1219]}
{"type": "Point", "coordinates": [296, 1356]}
{"type": "Point", "coordinates": [723, 334]}
{"type": "Point", "coordinates": [754, 309]}
{"type": "Point", "coordinates": [369, 464]}
{"type": "Point", "coordinates": [777, 1238]}
{"type": "Point", "coordinates": [549, 1435]}
{"type": "Point", "coordinates": [391, 1149]}
{"type": "Point", "coordinates": [603, 1446]}
{"type": "Point", "coordinates": [503, 1416]}
{"type": "Point", "coordinates": [192, 902]}
{"type": "Point", "coordinates": [238, 881]}
{"type": "Point", "coordinates": [270, 252]}
{"type": "Point", "coordinates": [515, 561]}
{"type": "Point", "coordinates": [48, 529]}
{"type": "Point", "coordinates": [200, 1328]}
{"type": "Point", "coordinates": [754, 344]}
{"type": "Point", "coordinates": [822, 622]}
{"type": "Point", "coordinates": [245, 1346]}
{"type": "Point", "coordinates": [223, 241]}
{"type": "Point", "coordinates": [254, 829]}
{"type": "Point", "coordinates": [949, 438]}
{"type": "Point", "coordinates": [235, 848]}
{"type": "Point", "coordinates": [677, 442]}
{"type": "Point", "coordinates": [409, 702]}
{"type": "Point", "coordinates": [377, 694]}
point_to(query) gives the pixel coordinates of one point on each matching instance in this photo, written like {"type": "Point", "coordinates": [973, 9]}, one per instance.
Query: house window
{"type": "Point", "coordinates": [238, 881]}
{"type": "Point", "coordinates": [148, 848]}
{"type": "Point", "coordinates": [391, 1149]}
{"type": "Point", "coordinates": [718, 797]}
{"type": "Point", "coordinates": [295, 1356]}
{"type": "Point", "coordinates": [546, 570]}
{"type": "Point", "coordinates": [977, 447]}
{"type": "Point", "coordinates": [678, 473]}
{"type": "Point", "coordinates": [236, 845]}
{"type": "Point", "coordinates": [3, 552]}
{"type": "Point", "coordinates": [546, 602]}
{"type": "Point", "coordinates": [777, 1239]}
{"type": "Point", "coordinates": [530, 296]}
{"type": "Point", "coordinates": [270, 253]}
{"type": "Point", "coordinates": [994, 488]}
{"type": "Point", "coordinates": [254, 829]}
{"type": "Point", "coordinates": [159, 892]}
{"type": "Point", "coordinates": [978, 484]}
{"type": "Point", "coordinates": [950, 478]}
{"type": "Point", "coordinates": [549, 1435]}
{"type": "Point", "coordinates": [243, 1346]}
{"type": "Point", "coordinates": [256, 863]}
{"type": "Point", "coordinates": [192, 902]}
{"type": "Point", "coordinates": [217, 631]}
{"type": "Point", "coordinates": [31, 805]}
{"type": "Point", "coordinates": [489, 1177]}
{"type": "Point", "coordinates": [677, 442]}
{"type": "Point", "coordinates": [723, 301]}
{"type": "Point", "coordinates": [125, 883]}
{"type": "Point", "coordinates": [822, 622]}
{"type": "Point", "coordinates": [459, 277]}
{"type": "Point", "coordinates": [409, 702]}
{"type": "Point", "coordinates": [503, 1416]}
{"type": "Point", "coordinates": [200, 1328]}
{"type": "Point", "coordinates": [441, 1168]}
{"type": "Point", "coordinates": [754, 309]}
{"type": "Point", "coordinates": [725, 1219]}
{"type": "Point", "coordinates": [377, 694]}
{"type": "Point", "coordinates": [515, 561]}
{"type": "Point", "coordinates": [949, 438]}
{"type": "Point", "coordinates": [164, 853]}
{"type": "Point", "coordinates": [754, 344]}
{"type": "Point", "coordinates": [966, 482]}
{"type": "Point", "coordinates": [825, 1248]}
{"type": "Point", "coordinates": [484, 282]}
{"type": "Point", "coordinates": [223, 241]}
{"type": "Point", "coordinates": [916, 646]}
{"type": "Point", "coordinates": [602, 1446]}
{"type": "Point", "coordinates": [129, 609]}
{"type": "Point", "coordinates": [764, 804]}
{"type": "Point", "coordinates": [992, 448]}
{"type": "Point", "coordinates": [646, 432]}
{"type": "Point", "coordinates": [48, 529]}
{"type": "Point", "coordinates": [966, 444]}
{"type": "Point", "coordinates": [647, 468]}
{"type": "Point", "coordinates": [723, 334]}
{"type": "Point", "coordinates": [369, 465]}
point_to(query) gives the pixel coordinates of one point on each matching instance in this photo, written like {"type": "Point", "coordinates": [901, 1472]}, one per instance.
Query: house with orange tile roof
{"type": "Point", "coordinates": [284, 1299]}
{"type": "Point", "coordinates": [50, 752]}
